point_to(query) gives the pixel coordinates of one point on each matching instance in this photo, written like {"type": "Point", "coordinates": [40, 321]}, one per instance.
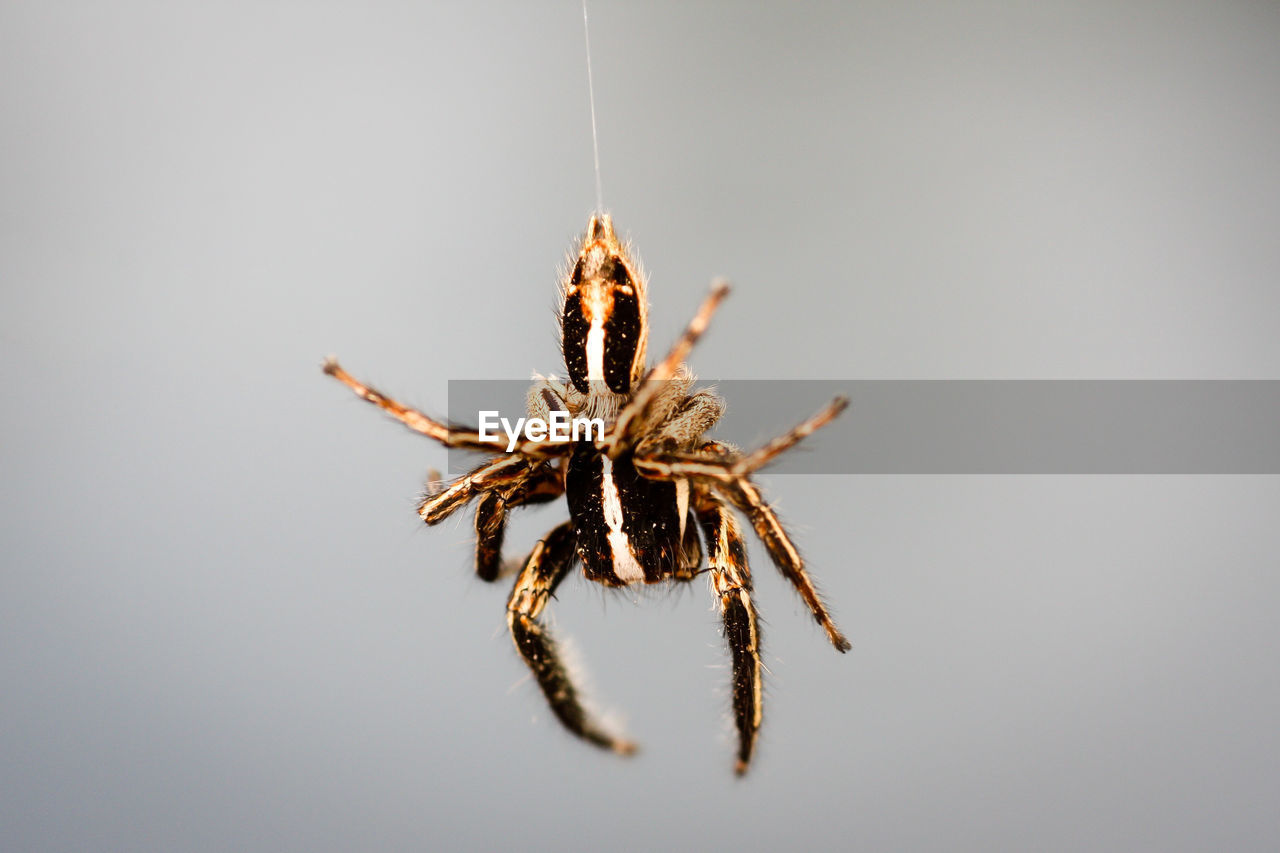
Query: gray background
{"type": "Point", "coordinates": [220, 624]}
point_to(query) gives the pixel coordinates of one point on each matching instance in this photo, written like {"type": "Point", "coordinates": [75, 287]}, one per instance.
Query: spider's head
{"type": "Point", "coordinates": [604, 327]}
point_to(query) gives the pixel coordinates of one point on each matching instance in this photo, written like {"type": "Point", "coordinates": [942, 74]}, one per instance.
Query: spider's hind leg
{"type": "Point", "coordinates": [746, 496]}
{"type": "Point", "coordinates": [545, 568]}
{"type": "Point", "coordinates": [725, 469]}
{"type": "Point", "coordinates": [731, 583]}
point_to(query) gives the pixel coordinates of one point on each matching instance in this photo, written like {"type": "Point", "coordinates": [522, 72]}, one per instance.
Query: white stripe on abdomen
{"type": "Point", "coordinates": [624, 562]}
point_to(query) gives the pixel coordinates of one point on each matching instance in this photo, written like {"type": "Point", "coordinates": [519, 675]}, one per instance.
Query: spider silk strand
{"type": "Point", "coordinates": [591, 91]}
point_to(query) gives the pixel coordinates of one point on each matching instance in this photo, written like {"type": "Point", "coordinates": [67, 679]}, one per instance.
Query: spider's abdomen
{"type": "Point", "coordinates": [603, 318]}
{"type": "Point", "coordinates": [628, 527]}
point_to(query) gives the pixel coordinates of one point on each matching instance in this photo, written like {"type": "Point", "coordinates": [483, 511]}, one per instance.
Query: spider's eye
{"type": "Point", "coordinates": [602, 324]}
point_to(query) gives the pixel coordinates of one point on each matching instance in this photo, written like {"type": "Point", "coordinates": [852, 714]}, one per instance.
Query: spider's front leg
{"type": "Point", "coordinates": [731, 582]}
{"type": "Point", "coordinates": [547, 565]}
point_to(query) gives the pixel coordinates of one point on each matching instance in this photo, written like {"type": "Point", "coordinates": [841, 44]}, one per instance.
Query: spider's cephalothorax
{"type": "Point", "coordinates": [642, 500]}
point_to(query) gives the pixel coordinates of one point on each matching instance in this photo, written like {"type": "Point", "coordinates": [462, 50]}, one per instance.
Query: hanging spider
{"type": "Point", "coordinates": [637, 496]}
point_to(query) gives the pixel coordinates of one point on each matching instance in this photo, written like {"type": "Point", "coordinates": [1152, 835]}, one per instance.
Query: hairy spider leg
{"type": "Point", "coordinates": [539, 486]}
{"type": "Point", "coordinates": [491, 528]}
{"type": "Point", "coordinates": [746, 496]}
{"type": "Point", "coordinates": [731, 583]}
{"type": "Point", "coordinates": [502, 472]}
{"type": "Point", "coordinates": [757, 459]}
{"type": "Point", "coordinates": [547, 565]}
{"type": "Point", "coordinates": [466, 438]}
{"type": "Point", "coordinates": [724, 469]}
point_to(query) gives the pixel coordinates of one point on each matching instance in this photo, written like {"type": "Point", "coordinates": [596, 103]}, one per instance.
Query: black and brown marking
{"type": "Point", "coordinates": [605, 317]}
{"type": "Point", "coordinates": [628, 527]}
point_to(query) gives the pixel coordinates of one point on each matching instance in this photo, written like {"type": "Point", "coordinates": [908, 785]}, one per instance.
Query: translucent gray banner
{"type": "Point", "coordinates": [978, 426]}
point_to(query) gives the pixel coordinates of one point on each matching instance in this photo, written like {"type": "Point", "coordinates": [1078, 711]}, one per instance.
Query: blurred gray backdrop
{"type": "Point", "coordinates": [221, 627]}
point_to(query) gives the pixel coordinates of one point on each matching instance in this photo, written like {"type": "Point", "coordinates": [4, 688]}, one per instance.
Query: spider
{"type": "Point", "coordinates": [637, 496]}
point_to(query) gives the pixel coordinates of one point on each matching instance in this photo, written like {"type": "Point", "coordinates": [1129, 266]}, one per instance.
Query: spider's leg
{"type": "Point", "coordinates": [547, 565]}
{"type": "Point", "coordinates": [491, 528]}
{"type": "Point", "coordinates": [461, 437]}
{"type": "Point", "coordinates": [718, 463]}
{"type": "Point", "coordinates": [542, 485]}
{"type": "Point", "coordinates": [731, 583]}
{"type": "Point", "coordinates": [746, 496]}
{"type": "Point", "coordinates": [439, 504]}
{"type": "Point", "coordinates": [757, 459]}
{"type": "Point", "coordinates": [729, 472]}
{"type": "Point", "coordinates": [632, 417]}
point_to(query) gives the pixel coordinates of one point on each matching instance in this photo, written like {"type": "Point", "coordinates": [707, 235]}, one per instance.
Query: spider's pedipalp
{"type": "Point", "coordinates": [547, 565]}
{"type": "Point", "coordinates": [684, 422]}
{"type": "Point", "coordinates": [731, 583]}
